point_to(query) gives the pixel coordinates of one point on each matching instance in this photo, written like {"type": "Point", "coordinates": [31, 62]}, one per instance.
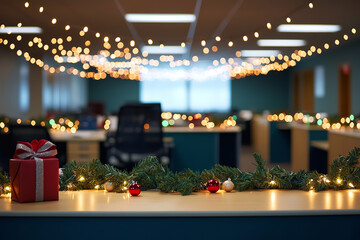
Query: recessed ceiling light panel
{"type": "Point", "coordinates": [159, 18]}
{"type": "Point", "coordinates": [309, 28]}
{"type": "Point", "coordinates": [23, 30]}
{"type": "Point", "coordinates": [164, 49]}
{"type": "Point", "coordinates": [259, 53]}
{"type": "Point", "coordinates": [281, 42]}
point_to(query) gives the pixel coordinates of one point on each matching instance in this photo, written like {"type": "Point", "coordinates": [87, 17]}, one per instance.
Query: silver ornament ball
{"type": "Point", "coordinates": [228, 185]}
{"type": "Point", "coordinates": [109, 186]}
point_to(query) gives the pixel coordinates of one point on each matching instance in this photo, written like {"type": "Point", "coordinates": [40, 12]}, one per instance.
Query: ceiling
{"type": "Point", "coordinates": [248, 16]}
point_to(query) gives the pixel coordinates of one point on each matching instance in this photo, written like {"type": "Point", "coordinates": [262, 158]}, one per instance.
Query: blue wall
{"type": "Point", "coordinates": [113, 92]}
{"type": "Point", "coordinates": [258, 93]}
{"type": "Point", "coordinates": [332, 60]}
{"type": "Point", "coordinates": [263, 92]}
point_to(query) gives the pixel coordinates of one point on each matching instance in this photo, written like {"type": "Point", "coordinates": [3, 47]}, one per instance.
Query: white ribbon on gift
{"type": "Point", "coordinates": [43, 151]}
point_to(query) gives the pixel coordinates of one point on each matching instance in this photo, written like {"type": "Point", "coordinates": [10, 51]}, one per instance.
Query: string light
{"type": "Point", "coordinates": [41, 9]}
{"type": "Point", "coordinates": [256, 34]}
{"type": "Point", "coordinates": [288, 19]}
{"type": "Point", "coordinates": [268, 25]}
{"type": "Point", "coordinates": [247, 69]}
{"type": "Point", "coordinates": [27, 4]}
{"type": "Point", "coordinates": [54, 21]}
{"type": "Point", "coordinates": [311, 5]}
{"type": "Point", "coordinates": [218, 38]}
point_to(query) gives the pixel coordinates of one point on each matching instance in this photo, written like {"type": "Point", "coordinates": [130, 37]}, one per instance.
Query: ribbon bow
{"type": "Point", "coordinates": [36, 150]}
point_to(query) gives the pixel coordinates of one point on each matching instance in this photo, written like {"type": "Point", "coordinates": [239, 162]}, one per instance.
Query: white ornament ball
{"type": "Point", "coordinates": [109, 186]}
{"type": "Point", "coordinates": [228, 185]}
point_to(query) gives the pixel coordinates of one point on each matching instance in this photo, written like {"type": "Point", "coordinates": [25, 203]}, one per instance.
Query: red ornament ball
{"type": "Point", "coordinates": [213, 185]}
{"type": "Point", "coordinates": [134, 189]}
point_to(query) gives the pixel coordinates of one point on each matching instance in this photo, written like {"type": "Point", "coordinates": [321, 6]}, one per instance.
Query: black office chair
{"type": "Point", "coordinates": [139, 134]}
{"type": "Point", "coordinates": [27, 133]}
{"type": "Point", "coordinates": [4, 151]}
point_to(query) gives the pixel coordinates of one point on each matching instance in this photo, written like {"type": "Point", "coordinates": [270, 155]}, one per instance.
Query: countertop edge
{"type": "Point", "coordinates": [180, 214]}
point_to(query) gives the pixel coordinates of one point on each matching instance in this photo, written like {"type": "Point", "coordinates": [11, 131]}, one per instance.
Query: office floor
{"type": "Point", "coordinates": [247, 162]}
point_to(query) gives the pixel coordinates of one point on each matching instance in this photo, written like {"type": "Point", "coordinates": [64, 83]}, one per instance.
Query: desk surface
{"type": "Point", "coordinates": [346, 132]}
{"type": "Point", "coordinates": [306, 126]}
{"type": "Point", "coordinates": [100, 135]}
{"type": "Point", "coordinates": [155, 204]}
{"type": "Point", "coordinates": [323, 145]}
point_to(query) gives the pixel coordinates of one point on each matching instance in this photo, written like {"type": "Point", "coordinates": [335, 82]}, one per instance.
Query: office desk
{"type": "Point", "coordinates": [251, 215]}
{"type": "Point", "coordinates": [271, 139]}
{"type": "Point", "coordinates": [341, 142]}
{"type": "Point", "coordinates": [303, 156]}
{"type": "Point", "coordinates": [198, 148]}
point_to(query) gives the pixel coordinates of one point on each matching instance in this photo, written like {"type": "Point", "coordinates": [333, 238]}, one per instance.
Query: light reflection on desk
{"type": "Point", "coordinates": [154, 203]}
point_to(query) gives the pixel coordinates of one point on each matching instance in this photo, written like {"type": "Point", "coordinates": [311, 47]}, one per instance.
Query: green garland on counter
{"type": "Point", "coordinates": [150, 174]}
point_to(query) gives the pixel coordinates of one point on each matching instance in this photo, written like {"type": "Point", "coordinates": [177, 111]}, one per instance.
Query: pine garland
{"type": "Point", "coordinates": [150, 174]}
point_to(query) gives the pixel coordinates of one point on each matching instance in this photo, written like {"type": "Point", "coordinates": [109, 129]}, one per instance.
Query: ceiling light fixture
{"type": "Point", "coordinates": [159, 18]}
{"type": "Point", "coordinates": [259, 53]}
{"type": "Point", "coordinates": [281, 43]}
{"type": "Point", "coordinates": [23, 30]}
{"type": "Point", "coordinates": [164, 49]}
{"type": "Point", "coordinates": [311, 28]}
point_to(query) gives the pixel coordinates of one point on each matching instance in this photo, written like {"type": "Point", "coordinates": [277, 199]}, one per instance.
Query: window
{"type": "Point", "coordinates": [195, 90]}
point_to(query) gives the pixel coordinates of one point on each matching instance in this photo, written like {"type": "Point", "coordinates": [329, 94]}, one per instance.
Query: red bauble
{"type": "Point", "coordinates": [213, 185]}
{"type": "Point", "coordinates": [134, 189]}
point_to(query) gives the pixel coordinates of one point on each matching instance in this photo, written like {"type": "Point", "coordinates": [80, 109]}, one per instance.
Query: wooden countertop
{"type": "Point", "coordinates": [306, 127]}
{"type": "Point", "coordinates": [100, 135]}
{"type": "Point", "coordinates": [323, 145]}
{"type": "Point", "coordinates": [347, 132]}
{"type": "Point", "coordinates": [201, 130]}
{"type": "Point", "coordinates": [93, 203]}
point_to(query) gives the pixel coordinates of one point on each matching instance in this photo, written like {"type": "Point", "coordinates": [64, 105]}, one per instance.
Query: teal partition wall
{"type": "Point", "coordinates": [197, 151]}
{"type": "Point", "coordinates": [263, 92]}
{"type": "Point", "coordinates": [280, 142]}
{"type": "Point", "coordinates": [202, 150]}
{"type": "Point", "coordinates": [113, 92]}
{"type": "Point", "coordinates": [318, 158]}
{"type": "Point", "coordinates": [331, 60]}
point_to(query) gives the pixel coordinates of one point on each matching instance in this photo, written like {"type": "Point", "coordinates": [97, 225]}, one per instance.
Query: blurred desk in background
{"type": "Point", "coordinates": [341, 142]}
{"type": "Point", "coordinates": [200, 148]}
{"type": "Point", "coordinates": [197, 148]}
{"type": "Point", "coordinates": [271, 139]}
{"type": "Point", "coordinates": [303, 154]}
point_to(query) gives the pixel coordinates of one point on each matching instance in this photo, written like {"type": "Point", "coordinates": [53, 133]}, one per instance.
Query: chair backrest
{"type": "Point", "coordinates": [26, 133]}
{"type": "Point", "coordinates": [139, 128]}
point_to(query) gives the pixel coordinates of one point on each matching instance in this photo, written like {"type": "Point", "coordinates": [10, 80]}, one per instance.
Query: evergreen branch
{"type": "Point", "coordinates": [150, 174]}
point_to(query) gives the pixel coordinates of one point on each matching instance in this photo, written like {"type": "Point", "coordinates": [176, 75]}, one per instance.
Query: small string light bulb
{"type": "Point", "coordinates": [268, 25]}
{"type": "Point", "coordinates": [288, 19]}
{"type": "Point", "coordinates": [311, 5]}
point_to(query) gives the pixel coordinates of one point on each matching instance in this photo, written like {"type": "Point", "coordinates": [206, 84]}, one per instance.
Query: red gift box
{"type": "Point", "coordinates": [34, 172]}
